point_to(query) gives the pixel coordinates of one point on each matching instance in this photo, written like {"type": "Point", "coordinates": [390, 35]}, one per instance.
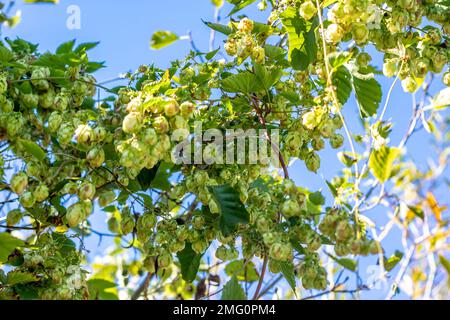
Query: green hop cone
{"type": "Point", "coordinates": [308, 10]}
{"type": "Point", "coordinates": [19, 182]}
{"type": "Point", "coordinates": [96, 157]}
{"type": "Point", "coordinates": [312, 162]}
{"type": "Point", "coordinates": [75, 214]}
{"type": "Point", "coordinates": [13, 217]}
{"type": "Point", "coordinates": [41, 193]}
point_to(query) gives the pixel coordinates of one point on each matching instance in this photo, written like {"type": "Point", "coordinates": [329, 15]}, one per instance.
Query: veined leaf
{"type": "Point", "coordinates": [236, 268]}
{"type": "Point", "coordinates": [301, 35]}
{"type": "Point", "coordinates": [267, 78]}
{"type": "Point", "coordinates": [161, 39]}
{"type": "Point", "coordinates": [232, 211]}
{"type": "Point", "coordinates": [287, 269]}
{"type": "Point", "coordinates": [368, 94]}
{"type": "Point", "coordinates": [348, 264]}
{"type": "Point", "coordinates": [33, 149]}
{"type": "Point", "coordinates": [342, 80]}
{"type": "Point", "coordinates": [381, 161]}
{"type": "Point", "coordinates": [8, 244]}
{"type": "Point", "coordinates": [20, 277]}
{"type": "Point", "coordinates": [243, 82]}
{"type": "Point", "coordinates": [232, 290]}
{"type": "Point", "coordinates": [390, 263]}
{"type": "Point", "coordinates": [239, 5]}
{"type": "Point", "coordinates": [224, 29]}
{"type": "Point", "coordinates": [190, 262]}
{"type": "Point", "coordinates": [66, 47]}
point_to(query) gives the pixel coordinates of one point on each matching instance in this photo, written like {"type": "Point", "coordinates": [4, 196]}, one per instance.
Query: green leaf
{"type": "Point", "coordinates": [236, 268]}
{"type": "Point", "coordinates": [239, 5]}
{"type": "Point", "coordinates": [232, 211]}
{"type": "Point", "coordinates": [7, 245]}
{"type": "Point", "coordinates": [93, 66]}
{"type": "Point", "coordinates": [301, 35]}
{"type": "Point", "coordinates": [146, 176]}
{"type": "Point", "coordinates": [5, 54]}
{"type": "Point", "coordinates": [390, 263]}
{"type": "Point", "coordinates": [348, 264]}
{"type": "Point", "coordinates": [244, 82]}
{"type": "Point", "coordinates": [342, 80]}
{"type": "Point", "coordinates": [66, 246]}
{"type": "Point", "coordinates": [33, 149]}
{"type": "Point", "coordinates": [368, 95]}
{"type": "Point", "coordinates": [445, 263]}
{"type": "Point", "coordinates": [86, 46]}
{"type": "Point", "coordinates": [66, 47]}
{"type": "Point", "coordinates": [287, 269]}
{"type": "Point", "coordinates": [161, 39]}
{"type": "Point", "coordinates": [267, 78]}
{"type": "Point", "coordinates": [381, 161]}
{"type": "Point", "coordinates": [190, 262]}
{"type": "Point", "coordinates": [317, 198]}
{"type": "Point", "coordinates": [211, 54]}
{"type": "Point", "coordinates": [339, 58]}
{"type": "Point", "coordinates": [97, 289]}
{"type": "Point", "coordinates": [161, 180]}
{"type": "Point", "coordinates": [226, 30]}
{"type": "Point", "coordinates": [232, 290]}
{"type": "Point", "coordinates": [327, 3]}
{"type": "Point", "coordinates": [20, 277]}
{"type": "Point", "coordinates": [418, 212]}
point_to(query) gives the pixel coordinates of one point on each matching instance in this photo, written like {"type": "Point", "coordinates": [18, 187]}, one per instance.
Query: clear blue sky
{"type": "Point", "coordinates": [124, 29]}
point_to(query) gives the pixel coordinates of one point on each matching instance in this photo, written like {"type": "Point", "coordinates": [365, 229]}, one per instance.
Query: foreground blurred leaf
{"type": "Point", "coordinates": [161, 39]}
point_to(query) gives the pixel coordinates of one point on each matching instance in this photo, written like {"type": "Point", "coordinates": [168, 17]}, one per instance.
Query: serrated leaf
{"type": "Point", "coordinates": [8, 244]}
{"type": "Point", "coordinates": [33, 149]}
{"type": "Point", "coordinates": [5, 54]}
{"type": "Point", "coordinates": [368, 95]}
{"type": "Point", "coordinates": [161, 39]}
{"type": "Point", "coordinates": [317, 198]}
{"type": "Point", "coordinates": [232, 211]}
{"type": "Point", "coordinates": [390, 263]}
{"type": "Point", "coordinates": [236, 268]}
{"type": "Point", "coordinates": [66, 47]}
{"type": "Point", "coordinates": [381, 161]}
{"type": "Point", "coordinates": [20, 277]}
{"type": "Point", "coordinates": [348, 264]}
{"type": "Point", "coordinates": [232, 290]}
{"type": "Point", "coordinates": [86, 46]}
{"type": "Point", "coordinates": [342, 81]}
{"type": "Point", "coordinates": [240, 5]}
{"type": "Point", "coordinates": [267, 78]}
{"type": "Point", "coordinates": [189, 262]}
{"type": "Point", "coordinates": [301, 37]}
{"type": "Point", "coordinates": [101, 289]}
{"type": "Point", "coordinates": [224, 29]}
{"type": "Point", "coordinates": [243, 82]}
{"type": "Point", "coordinates": [337, 59]}
{"type": "Point", "coordinates": [287, 269]}
{"type": "Point", "coordinates": [211, 54]}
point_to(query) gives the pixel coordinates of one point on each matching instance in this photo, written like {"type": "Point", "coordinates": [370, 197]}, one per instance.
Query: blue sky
{"type": "Point", "coordinates": [124, 29]}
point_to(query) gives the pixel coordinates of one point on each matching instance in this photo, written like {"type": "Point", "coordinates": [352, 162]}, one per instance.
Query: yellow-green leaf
{"type": "Point", "coordinates": [381, 161]}
{"type": "Point", "coordinates": [33, 149]}
{"type": "Point", "coordinates": [161, 39]}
